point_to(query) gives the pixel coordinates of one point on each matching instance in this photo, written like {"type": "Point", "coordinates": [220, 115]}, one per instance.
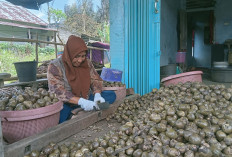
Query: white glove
{"type": "Point", "coordinates": [97, 97]}
{"type": "Point", "coordinates": [87, 105]}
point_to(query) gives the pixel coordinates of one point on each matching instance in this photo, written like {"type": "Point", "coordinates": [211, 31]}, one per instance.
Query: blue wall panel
{"type": "Point", "coordinates": [142, 35]}
{"type": "Point", "coordinates": [117, 32]}
{"type": "Point", "coordinates": [138, 36]}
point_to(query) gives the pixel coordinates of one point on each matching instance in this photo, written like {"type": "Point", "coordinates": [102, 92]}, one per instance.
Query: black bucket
{"type": "Point", "coordinates": [167, 70]}
{"type": "Point", "coordinates": [26, 71]}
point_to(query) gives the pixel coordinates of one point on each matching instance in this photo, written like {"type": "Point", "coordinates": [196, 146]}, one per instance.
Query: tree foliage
{"type": "Point", "coordinates": [102, 14]}
{"type": "Point", "coordinates": [57, 15]}
{"type": "Point", "coordinates": [82, 18]}
{"type": "Point", "coordinates": [104, 33]}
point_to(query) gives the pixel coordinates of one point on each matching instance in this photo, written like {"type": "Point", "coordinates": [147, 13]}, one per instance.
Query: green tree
{"type": "Point", "coordinates": [49, 5]}
{"type": "Point", "coordinates": [70, 10]}
{"type": "Point", "coordinates": [57, 15]}
{"type": "Point", "coordinates": [104, 33]}
{"type": "Point", "coordinates": [103, 12]}
{"type": "Point", "coordinates": [80, 18]}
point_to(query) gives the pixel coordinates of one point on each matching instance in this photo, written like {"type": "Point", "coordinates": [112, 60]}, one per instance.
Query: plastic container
{"type": "Point", "coordinates": [167, 70]}
{"type": "Point", "coordinates": [221, 74]}
{"type": "Point", "coordinates": [119, 91]}
{"type": "Point", "coordinates": [220, 64]}
{"type": "Point", "coordinates": [194, 76]}
{"type": "Point", "coordinates": [180, 57]}
{"type": "Point", "coordinates": [59, 54]}
{"type": "Point", "coordinates": [230, 58]}
{"type": "Point", "coordinates": [111, 75]}
{"type": "Point", "coordinates": [17, 125]}
{"type": "Point", "coordinates": [26, 71]}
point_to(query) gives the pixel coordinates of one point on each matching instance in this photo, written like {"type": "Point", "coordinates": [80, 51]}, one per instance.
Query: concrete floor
{"type": "Point", "coordinates": [209, 82]}
{"type": "Point", "coordinates": [206, 79]}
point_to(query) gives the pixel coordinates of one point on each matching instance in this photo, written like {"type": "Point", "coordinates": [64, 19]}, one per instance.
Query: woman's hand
{"type": "Point", "coordinates": [98, 97]}
{"type": "Point", "coordinates": [87, 105]}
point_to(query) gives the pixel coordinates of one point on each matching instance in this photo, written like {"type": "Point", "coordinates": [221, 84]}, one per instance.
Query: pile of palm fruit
{"type": "Point", "coordinates": [113, 84]}
{"type": "Point", "coordinates": [189, 120]}
{"type": "Point", "coordinates": [16, 99]}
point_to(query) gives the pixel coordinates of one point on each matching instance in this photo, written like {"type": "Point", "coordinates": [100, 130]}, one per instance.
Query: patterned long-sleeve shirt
{"type": "Point", "coordinates": [58, 82]}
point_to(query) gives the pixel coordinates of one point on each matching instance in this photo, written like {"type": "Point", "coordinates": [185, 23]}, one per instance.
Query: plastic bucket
{"type": "Point", "coordinates": [180, 57]}
{"type": "Point", "coordinates": [230, 58]}
{"type": "Point", "coordinates": [26, 71]}
{"type": "Point", "coordinates": [167, 70]}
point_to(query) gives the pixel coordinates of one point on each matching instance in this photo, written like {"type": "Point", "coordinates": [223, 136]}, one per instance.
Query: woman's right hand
{"type": "Point", "coordinates": [87, 105]}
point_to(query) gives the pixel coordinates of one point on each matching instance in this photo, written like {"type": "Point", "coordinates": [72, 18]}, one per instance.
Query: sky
{"type": "Point", "coordinates": [58, 4]}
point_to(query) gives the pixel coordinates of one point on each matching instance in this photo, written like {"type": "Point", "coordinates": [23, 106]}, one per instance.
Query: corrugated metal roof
{"type": "Point", "coordinates": [24, 26]}
{"type": "Point", "coordinates": [29, 4]}
{"type": "Point", "coordinates": [195, 4]}
{"type": "Point", "coordinates": [17, 13]}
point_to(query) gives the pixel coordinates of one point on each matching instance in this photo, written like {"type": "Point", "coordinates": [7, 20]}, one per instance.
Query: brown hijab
{"type": "Point", "coordinates": [78, 77]}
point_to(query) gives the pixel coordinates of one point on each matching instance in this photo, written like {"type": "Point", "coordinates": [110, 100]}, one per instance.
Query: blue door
{"type": "Point", "coordinates": [135, 42]}
{"type": "Point", "coordinates": [142, 45]}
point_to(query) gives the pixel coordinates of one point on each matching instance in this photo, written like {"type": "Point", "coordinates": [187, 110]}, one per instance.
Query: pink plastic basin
{"type": "Point", "coordinates": [119, 91]}
{"type": "Point", "coordinates": [17, 125]}
{"type": "Point", "coordinates": [194, 76]}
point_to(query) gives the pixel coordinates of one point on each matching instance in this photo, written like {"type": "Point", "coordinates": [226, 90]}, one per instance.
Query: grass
{"type": "Point", "coordinates": [10, 53]}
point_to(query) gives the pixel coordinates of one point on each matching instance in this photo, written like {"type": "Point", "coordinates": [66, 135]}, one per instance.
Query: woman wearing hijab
{"type": "Point", "coordinates": [73, 78]}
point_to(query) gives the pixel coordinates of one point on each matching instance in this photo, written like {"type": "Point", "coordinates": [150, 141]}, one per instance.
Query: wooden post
{"type": "Point", "coordinates": [36, 48]}
{"type": "Point", "coordinates": [102, 57]}
{"type": "Point", "coordinates": [29, 33]}
{"type": "Point", "coordinates": [60, 39]}
{"type": "Point", "coordinates": [1, 142]}
{"type": "Point", "coordinates": [55, 43]}
{"type": "Point", "coordinates": [183, 30]}
{"type": "Point", "coordinates": [91, 55]}
{"type": "Point", "coordinates": [31, 40]}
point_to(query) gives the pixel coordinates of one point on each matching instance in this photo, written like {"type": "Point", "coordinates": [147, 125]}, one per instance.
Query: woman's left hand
{"type": "Point", "coordinates": [98, 97]}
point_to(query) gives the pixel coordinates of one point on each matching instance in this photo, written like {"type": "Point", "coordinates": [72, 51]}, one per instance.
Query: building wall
{"type": "Point", "coordinates": [117, 33]}
{"type": "Point", "coordinates": [222, 31]}
{"type": "Point", "coordinates": [13, 32]}
{"type": "Point", "coordinates": [169, 31]}
{"type": "Point", "coordinates": [135, 43]}
{"type": "Point", "coordinates": [223, 25]}
{"type": "Point", "coordinates": [22, 33]}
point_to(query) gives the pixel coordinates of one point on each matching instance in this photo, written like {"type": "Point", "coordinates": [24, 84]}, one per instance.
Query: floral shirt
{"type": "Point", "coordinates": [58, 83]}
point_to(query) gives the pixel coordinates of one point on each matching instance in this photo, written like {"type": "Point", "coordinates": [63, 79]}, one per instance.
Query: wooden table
{"type": "Point", "coordinates": [34, 84]}
{"type": "Point", "coordinates": [2, 77]}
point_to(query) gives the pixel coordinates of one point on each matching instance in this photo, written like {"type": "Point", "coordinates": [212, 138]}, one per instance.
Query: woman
{"type": "Point", "coordinates": [74, 80]}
